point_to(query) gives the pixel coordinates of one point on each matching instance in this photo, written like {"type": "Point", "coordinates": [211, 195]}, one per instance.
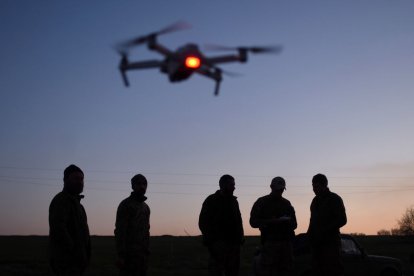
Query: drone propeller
{"type": "Point", "coordinates": [230, 73]}
{"type": "Point", "coordinates": [224, 72]}
{"type": "Point", "coordinates": [177, 26]}
{"type": "Point", "coordinates": [255, 49]}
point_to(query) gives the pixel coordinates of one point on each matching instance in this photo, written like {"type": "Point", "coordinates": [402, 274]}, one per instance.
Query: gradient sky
{"type": "Point", "coordinates": [338, 100]}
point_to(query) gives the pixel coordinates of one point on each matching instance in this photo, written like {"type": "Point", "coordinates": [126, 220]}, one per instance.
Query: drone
{"type": "Point", "coordinates": [182, 63]}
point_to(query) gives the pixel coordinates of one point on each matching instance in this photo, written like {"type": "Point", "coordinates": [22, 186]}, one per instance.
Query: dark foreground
{"type": "Point", "coordinates": [181, 256]}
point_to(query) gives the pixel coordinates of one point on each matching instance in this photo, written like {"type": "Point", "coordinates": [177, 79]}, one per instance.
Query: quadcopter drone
{"type": "Point", "coordinates": [180, 64]}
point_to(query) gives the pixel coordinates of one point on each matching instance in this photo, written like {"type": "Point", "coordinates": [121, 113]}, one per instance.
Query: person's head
{"type": "Point", "coordinates": [319, 184]}
{"type": "Point", "coordinates": [278, 185]}
{"type": "Point", "coordinates": [139, 184]}
{"type": "Point", "coordinates": [227, 184]}
{"type": "Point", "coordinates": [73, 179]}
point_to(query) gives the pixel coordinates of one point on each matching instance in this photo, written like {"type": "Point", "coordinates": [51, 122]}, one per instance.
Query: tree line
{"type": "Point", "coordinates": [405, 225]}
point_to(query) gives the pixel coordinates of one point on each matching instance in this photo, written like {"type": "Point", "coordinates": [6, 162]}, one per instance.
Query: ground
{"type": "Point", "coordinates": [181, 256]}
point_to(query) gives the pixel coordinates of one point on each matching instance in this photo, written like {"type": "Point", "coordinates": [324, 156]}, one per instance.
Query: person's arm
{"type": "Point", "coordinates": [339, 218]}
{"type": "Point", "coordinates": [335, 217]}
{"type": "Point", "coordinates": [315, 231]}
{"type": "Point", "coordinates": [292, 215]}
{"type": "Point", "coordinates": [241, 230]}
{"type": "Point", "coordinates": [255, 216]}
{"type": "Point", "coordinates": [88, 245]}
{"type": "Point", "coordinates": [121, 226]}
{"type": "Point", "coordinates": [59, 212]}
{"type": "Point", "coordinates": [205, 220]}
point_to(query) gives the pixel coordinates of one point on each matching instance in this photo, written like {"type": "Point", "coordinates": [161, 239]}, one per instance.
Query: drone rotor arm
{"type": "Point", "coordinates": [125, 66]}
{"type": "Point", "coordinates": [159, 48]}
{"type": "Point", "coordinates": [266, 49]}
{"type": "Point", "coordinates": [224, 59]}
{"type": "Point", "coordinates": [143, 65]}
{"type": "Point", "coordinates": [244, 51]}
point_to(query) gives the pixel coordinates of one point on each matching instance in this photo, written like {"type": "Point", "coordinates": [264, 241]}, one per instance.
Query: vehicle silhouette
{"type": "Point", "coordinates": [356, 261]}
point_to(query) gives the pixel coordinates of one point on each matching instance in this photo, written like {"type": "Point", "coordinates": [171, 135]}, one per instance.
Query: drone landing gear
{"type": "Point", "coordinates": [217, 77]}
{"type": "Point", "coordinates": [216, 90]}
{"type": "Point", "coordinates": [124, 78]}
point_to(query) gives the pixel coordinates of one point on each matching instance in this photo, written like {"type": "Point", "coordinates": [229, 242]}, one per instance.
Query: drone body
{"type": "Point", "coordinates": [180, 64]}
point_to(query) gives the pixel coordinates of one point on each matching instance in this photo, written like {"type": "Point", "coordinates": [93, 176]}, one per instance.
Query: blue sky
{"type": "Point", "coordinates": [338, 100]}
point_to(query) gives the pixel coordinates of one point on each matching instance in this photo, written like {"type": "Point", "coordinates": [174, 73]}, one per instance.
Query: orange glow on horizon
{"type": "Point", "coordinates": [192, 62]}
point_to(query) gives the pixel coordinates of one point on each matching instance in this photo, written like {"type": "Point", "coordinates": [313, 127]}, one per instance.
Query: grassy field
{"type": "Point", "coordinates": [183, 256]}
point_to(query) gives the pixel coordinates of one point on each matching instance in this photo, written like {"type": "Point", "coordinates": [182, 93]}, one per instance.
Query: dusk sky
{"type": "Point", "coordinates": [337, 100]}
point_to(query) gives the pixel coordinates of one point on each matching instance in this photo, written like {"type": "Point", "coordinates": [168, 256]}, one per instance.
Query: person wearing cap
{"type": "Point", "coordinates": [221, 224]}
{"type": "Point", "coordinates": [132, 230]}
{"type": "Point", "coordinates": [69, 239]}
{"type": "Point", "coordinates": [276, 219]}
{"type": "Point", "coordinates": [328, 215]}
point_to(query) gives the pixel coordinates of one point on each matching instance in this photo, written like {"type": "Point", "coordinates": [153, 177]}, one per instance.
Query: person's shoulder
{"type": "Point", "coordinates": [263, 199]}
{"type": "Point", "coordinates": [61, 201]}
{"type": "Point", "coordinates": [125, 202]}
{"type": "Point", "coordinates": [212, 196]}
{"type": "Point", "coordinates": [62, 194]}
{"type": "Point", "coordinates": [213, 199]}
{"type": "Point", "coordinates": [146, 206]}
{"type": "Point", "coordinates": [314, 200]}
{"type": "Point", "coordinates": [334, 196]}
{"type": "Point", "coordinates": [60, 197]}
{"type": "Point", "coordinates": [286, 201]}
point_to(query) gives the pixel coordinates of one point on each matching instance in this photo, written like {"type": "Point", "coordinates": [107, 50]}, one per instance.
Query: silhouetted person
{"type": "Point", "coordinates": [275, 217]}
{"type": "Point", "coordinates": [69, 240]}
{"type": "Point", "coordinates": [221, 225]}
{"type": "Point", "coordinates": [132, 230]}
{"type": "Point", "coordinates": [327, 217]}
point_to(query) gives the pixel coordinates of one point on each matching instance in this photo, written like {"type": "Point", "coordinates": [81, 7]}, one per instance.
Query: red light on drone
{"type": "Point", "coordinates": [192, 62]}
